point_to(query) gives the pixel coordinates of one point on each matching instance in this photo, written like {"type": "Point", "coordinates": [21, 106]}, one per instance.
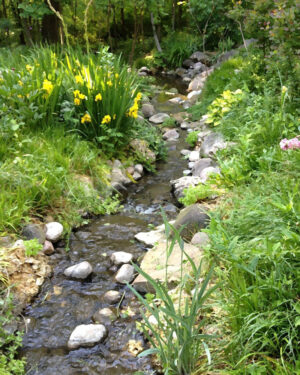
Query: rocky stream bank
{"type": "Point", "coordinates": [83, 320]}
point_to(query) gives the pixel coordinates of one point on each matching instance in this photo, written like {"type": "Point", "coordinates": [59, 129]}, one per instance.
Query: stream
{"type": "Point", "coordinates": [63, 304]}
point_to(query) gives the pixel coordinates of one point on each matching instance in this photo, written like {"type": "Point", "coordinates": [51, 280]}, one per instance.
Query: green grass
{"type": "Point", "coordinates": [254, 231]}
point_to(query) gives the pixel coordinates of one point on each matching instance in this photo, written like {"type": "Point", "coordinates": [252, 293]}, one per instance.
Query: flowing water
{"type": "Point", "coordinates": [63, 304]}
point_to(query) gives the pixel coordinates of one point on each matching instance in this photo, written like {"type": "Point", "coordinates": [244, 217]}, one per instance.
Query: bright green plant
{"type": "Point", "coordinates": [10, 363]}
{"type": "Point", "coordinates": [192, 138]}
{"type": "Point", "coordinates": [176, 338]}
{"type": "Point", "coordinates": [32, 247]}
{"type": "Point", "coordinates": [220, 106]}
{"type": "Point", "coordinates": [169, 123]}
{"type": "Point", "coordinates": [200, 192]}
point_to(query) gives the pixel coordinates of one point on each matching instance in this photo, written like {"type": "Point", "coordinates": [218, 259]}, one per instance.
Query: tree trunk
{"type": "Point", "coordinates": [108, 24]}
{"type": "Point", "coordinates": [134, 37]}
{"type": "Point", "coordinates": [174, 2]}
{"type": "Point", "coordinates": [155, 33]}
{"type": "Point", "coordinates": [51, 25]}
{"type": "Point", "coordinates": [123, 20]}
{"type": "Point", "coordinates": [16, 14]}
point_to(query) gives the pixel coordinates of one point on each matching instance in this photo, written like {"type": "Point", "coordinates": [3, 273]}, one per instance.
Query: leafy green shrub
{"type": "Point", "coordinates": [192, 138]}
{"type": "Point", "coordinates": [10, 362]}
{"type": "Point", "coordinates": [200, 192]}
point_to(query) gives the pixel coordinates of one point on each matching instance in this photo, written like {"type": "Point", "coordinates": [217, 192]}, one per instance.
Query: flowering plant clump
{"type": "Point", "coordinates": [290, 144]}
{"type": "Point", "coordinates": [220, 106]}
{"type": "Point", "coordinates": [104, 100]}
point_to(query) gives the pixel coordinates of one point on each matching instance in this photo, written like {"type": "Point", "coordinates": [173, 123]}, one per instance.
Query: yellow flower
{"type": "Point", "coordinates": [117, 75]}
{"type": "Point", "coordinates": [81, 96]}
{"type": "Point", "coordinates": [47, 86]}
{"type": "Point", "coordinates": [106, 119]}
{"type": "Point", "coordinates": [86, 118]}
{"type": "Point", "coordinates": [20, 96]}
{"type": "Point", "coordinates": [98, 98]}
{"type": "Point", "coordinates": [79, 79]}
{"type": "Point", "coordinates": [109, 83]}
{"type": "Point", "coordinates": [29, 68]}
{"type": "Point", "coordinates": [77, 101]}
{"type": "Point", "coordinates": [76, 93]}
{"type": "Point", "coordinates": [138, 96]}
{"type": "Point", "coordinates": [20, 83]}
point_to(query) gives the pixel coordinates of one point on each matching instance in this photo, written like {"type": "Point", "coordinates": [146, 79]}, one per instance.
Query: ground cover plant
{"type": "Point", "coordinates": [254, 231]}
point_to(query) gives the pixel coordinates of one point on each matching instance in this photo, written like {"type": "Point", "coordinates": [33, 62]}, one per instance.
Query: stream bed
{"type": "Point", "coordinates": [63, 304]}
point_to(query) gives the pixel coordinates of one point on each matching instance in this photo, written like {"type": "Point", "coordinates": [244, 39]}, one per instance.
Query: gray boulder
{"type": "Point", "coordinates": [159, 118]}
{"type": "Point", "coordinates": [188, 63]}
{"type": "Point", "coordinates": [79, 271]}
{"type": "Point", "coordinates": [141, 146]}
{"type": "Point", "coordinates": [155, 261]}
{"type": "Point", "coordinates": [194, 156]}
{"type": "Point", "coordinates": [200, 56]}
{"type": "Point", "coordinates": [180, 72]}
{"type": "Point", "coordinates": [148, 110]}
{"type": "Point", "coordinates": [179, 185]}
{"type": "Point", "coordinates": [86, 335]}
{"type": "Point", "coordinates": [199, 67]}
{"type": "Point", "coordinates": [34, 231]}
{"type": "Point", "coordinates": [211, 144]}
{"type": "Point", "coordinates": [170, 135]}
{"type": "Point", "coordinates": [191, 219]}
{"type": "Point", "coordinates": [201, 164]}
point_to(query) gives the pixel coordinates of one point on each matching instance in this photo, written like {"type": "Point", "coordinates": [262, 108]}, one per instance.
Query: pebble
{"type": "Point", "coordinates": [121, 257]}
{"type": "Point", "coordinates": [79, 271]}
{"type": "Point", "coordinates": [86, 335]}
{"type": "Point", "coordinates": [112, 297]}
{"type": "Point", "coordinates": [125, 274]}
{"type": "Point", "coordinates": [54, 231]}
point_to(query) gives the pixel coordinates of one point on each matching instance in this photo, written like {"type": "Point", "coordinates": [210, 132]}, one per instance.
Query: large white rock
{"type": "Point", "coordinates": [179, 185]}
{"type": "Point", "coordinates": [86, 335]}
{"type": "Point", "coordinates": [125, 274]}
{"type": "Point", "coordinates": [79, 271]}
{"type": "Point", "coordinates": [121, 257]}
{"type": "Point", "coordinates": [194, 156]}
{"type": "Point", "coordinates": [150, 238]}
{"type": "Point", "coordinates": [159, 118]}
{"type": "Point", "coordinates": [54, 231]}
{"type": "Point", "coordinates": [194, 94]}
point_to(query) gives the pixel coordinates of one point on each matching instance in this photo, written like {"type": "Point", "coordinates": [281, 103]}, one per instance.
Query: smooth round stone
{"type": "Point", "coordinates": [187, 172]}
{"type": "Point", "coordinates": [112, 297]}
{"type": "Point", "coordinates": [136, 176]}
{"type": "Point", "coordinates": [125, 274]}
{"type": "Point", "coordinates": [200, 238]}
{"type": "Point", "coordinates": [104, 316]}
{"type": "Point", "coordinates": [121, 257]}
{"type": "Point", "coordinates": [48, 248]}
{"type": "Point", "coordinates": [86, 335]}
{"type": "Point", "coordinates": [159, 118]}
{"type": "Point", "coordinates": [54, 231]}
{"type": "Point", "coordinates": [184, 125]}
{"type": "Point", "coordinates": [185, 152]}
{"type": "Point", "coordinates": [191, 164]}
{"type": "Point", "coordinates": [139, 168]}
{"type": "Point", "coordinates": [79, 271]}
